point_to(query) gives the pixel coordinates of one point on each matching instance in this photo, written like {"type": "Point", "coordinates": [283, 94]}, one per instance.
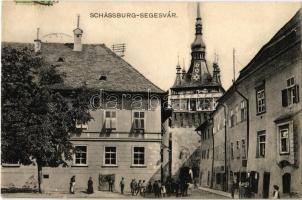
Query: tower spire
{"type": "Point", "coordinates": [78, 21]}
{"type": "Point", "coordinates": [198, 11]}
{"type": "Point", "coordinates": [198, 46]}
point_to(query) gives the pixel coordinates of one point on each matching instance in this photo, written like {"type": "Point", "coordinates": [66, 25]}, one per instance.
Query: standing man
{"type": "Point", "coordinates": [122, 185]}
{"type": "Point", "coordinates": [110, 184]}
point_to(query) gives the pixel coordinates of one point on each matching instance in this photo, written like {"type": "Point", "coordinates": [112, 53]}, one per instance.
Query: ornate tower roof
{"type": "Point", "coordinates": [198, 44]}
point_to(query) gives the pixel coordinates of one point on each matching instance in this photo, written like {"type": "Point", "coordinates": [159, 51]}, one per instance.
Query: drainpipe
{"type": "Point", "coordinates": [213, 143]}
{"type": "Point", "coordinates": [225, 148]}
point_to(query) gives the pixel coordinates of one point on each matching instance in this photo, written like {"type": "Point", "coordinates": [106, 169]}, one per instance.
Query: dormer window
{"type": "Point", "coordinates": [61, 59]}
{"type": "Point", "coordinates": [103, 78]}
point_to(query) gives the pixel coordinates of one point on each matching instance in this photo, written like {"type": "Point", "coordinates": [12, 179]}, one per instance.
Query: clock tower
{"type": "Point", "coordinates": [199, 70]}
{"type": "Point", "coordinates": [192, 98]}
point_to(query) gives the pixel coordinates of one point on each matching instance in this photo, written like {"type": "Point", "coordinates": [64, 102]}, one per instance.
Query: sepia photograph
{"type": "Point", "coordinates": [151, 99]}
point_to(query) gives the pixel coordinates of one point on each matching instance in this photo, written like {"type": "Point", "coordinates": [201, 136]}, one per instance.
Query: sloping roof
{"type": "Point", "coordinates": [88, 65]}
{"type": "Point", "coordinates": [288, 35]}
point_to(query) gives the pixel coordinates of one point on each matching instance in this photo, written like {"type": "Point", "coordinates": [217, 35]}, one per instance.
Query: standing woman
{"type": "Point", "coordinates": [276, 194]}
{"type": "Point", "coordinates": [72, 185]}
{"type": "Point", "coordinates": [90, 186]}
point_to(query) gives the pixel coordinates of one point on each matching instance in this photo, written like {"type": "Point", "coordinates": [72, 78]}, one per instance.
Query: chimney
{"type": "Point", "coordinates": [77, 46]}
{"type": "Point", "coordinates": [37, 42]}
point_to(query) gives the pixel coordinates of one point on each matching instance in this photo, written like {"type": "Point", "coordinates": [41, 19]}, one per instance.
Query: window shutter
{"type": "Point", "coordinates": [284, 98]}
{"type": "Point", "coordinates": [107, 123]}
{"type": "Point", "coordinates": [113, 123]}
{"type": "Point", "coordinates": [136, 123]}
{"type": "Point", "coordinates": [296, 94]}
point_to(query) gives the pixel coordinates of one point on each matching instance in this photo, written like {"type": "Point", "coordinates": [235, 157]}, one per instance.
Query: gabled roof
{"type": "Point", "coordinates": [87, 67]}
{"type": "Point", "coordinates": [288, 35]}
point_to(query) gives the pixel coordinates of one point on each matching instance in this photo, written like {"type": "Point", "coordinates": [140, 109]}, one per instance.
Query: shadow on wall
{"type": "Point", "coordinates": [31, 185]}
{"type": "Point", "coordinates": [192, 162]}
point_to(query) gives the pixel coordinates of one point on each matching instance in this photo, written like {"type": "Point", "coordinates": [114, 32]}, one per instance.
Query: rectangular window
{"type": "Point", "coordinates": [110, 120]}
{"type": "Point", "coordinates": [290, 95]}
{"type": "Point", "coordinates": [238, 149]}
{"type": "Point", "coordinates": [261, 141]}
{"type": "Point", "coordinates": [110, 156]}
{"type": "Point", "coordinates": [80, 125]}
{"type": "Point", "coordinates": [243, 149]}
{"type": "Point", "coordinates": [232, 150]}
{"type": "Point", "coordinates": [80, 156]}
{"type": "Point", "coordinates": [232, 118]}
{"type": "Point", "coordinates": [139, 120]}
{"type": "Point", "coordinates": [237, 118]}
{"type": "Point", "coordinates": [260, 100]}
{"type": "Point", "coordinates": [284, 139]}
{"type": "Point", "coordinates": [243, 110]}
{"type": "Point", "coordinates": [138, 156]}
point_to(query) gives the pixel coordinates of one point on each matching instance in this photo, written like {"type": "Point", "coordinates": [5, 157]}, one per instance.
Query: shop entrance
{"type": "Point", "coordinates": [266, 182]}
{"type": "Point", "coordinates": [286, 179]}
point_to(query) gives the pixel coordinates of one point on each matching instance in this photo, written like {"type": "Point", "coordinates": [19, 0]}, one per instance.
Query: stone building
{"type": "Point", "coordinates": [272, 83]}
{"type": "Point", "coordinates": [258, 121]}
{"type": "Point", "coordinates": [124, 137]}
{"type": "Point", "coordinates": [193, 97]}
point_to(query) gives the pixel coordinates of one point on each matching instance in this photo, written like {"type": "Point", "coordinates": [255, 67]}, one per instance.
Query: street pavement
{"type": "Point", "coordinates": [196, 194]}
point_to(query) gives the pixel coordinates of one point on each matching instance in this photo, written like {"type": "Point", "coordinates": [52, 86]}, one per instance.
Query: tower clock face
{"type": "Point", "coordinates": [195, 77]}
{"type": "Point", "coordinates": [196, 71]}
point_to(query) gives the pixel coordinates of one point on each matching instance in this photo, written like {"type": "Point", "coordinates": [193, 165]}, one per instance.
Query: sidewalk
{"type": "Point", "coordinates": [218, 192]}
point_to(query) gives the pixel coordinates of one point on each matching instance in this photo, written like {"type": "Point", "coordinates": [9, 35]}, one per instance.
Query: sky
{"type": "Point", "coordinates": [154, 44]}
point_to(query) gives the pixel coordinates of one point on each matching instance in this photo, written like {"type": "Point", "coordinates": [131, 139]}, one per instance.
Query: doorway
{"type": "Point", "coordinates": [286, 179]}
{"type": "Point", "coordinates": [266, 182]}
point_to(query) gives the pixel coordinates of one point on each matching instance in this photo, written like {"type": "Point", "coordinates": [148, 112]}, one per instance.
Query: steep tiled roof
{"type": "Point", "coordinates": [288, 35]}
{"type": "Point", "coordinates": [88, 65]}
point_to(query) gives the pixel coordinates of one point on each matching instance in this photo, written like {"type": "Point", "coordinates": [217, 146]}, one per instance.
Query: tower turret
{"type": "Point", "coordinates": [216, 71]}
{"type": "Point", "coordinates": [178, 74]}
{"type": "Point", "coordinates": [77, 46]}
{"type": "Point", "coordinates": [37, 42]}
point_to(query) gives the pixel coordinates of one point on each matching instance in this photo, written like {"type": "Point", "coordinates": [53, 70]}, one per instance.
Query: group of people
{"type": "Point", "coordinates": [159, 189]}
{"type": "Point", "coordinates": [138, 187]}
{"type": "Point", "coordinates": [73, 182]}
{"type": "Point", "coordinates": [179, 188]}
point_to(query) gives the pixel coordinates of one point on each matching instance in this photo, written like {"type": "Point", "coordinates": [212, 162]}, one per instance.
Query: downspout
{"type": "Point", "coordinates": [225, 148]}
{"type": "Point", "coordinates": [212, 177]}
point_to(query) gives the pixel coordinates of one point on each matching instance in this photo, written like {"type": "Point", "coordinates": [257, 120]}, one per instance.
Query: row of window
{"type": "Point", "coordinates": [205, 154]}
{"type": "Point", "coordinates": [109, 156]}
{"type": "Point", "coordinates": [240, 151]}
{"type": "Point", "coordinates": [236, 116]}
{"type": "Point", "coordinates": [205, 135]}
{"type": "Point", "coordinates": [186, 119]}
{"type": "Point", "coordinates": [111, 121]}
{"type": "Point", "coordinates": [283, 141]}
{"type": "Point", "coordinates": [202, 104]}
{"type": "Point", "coordinates": [289, 95]}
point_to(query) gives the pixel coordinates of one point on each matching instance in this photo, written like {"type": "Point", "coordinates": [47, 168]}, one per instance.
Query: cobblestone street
{"type": "Point", "coordinates": [196, 194]}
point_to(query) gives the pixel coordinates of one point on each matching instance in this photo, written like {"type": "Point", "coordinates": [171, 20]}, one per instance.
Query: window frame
{"type": "Point", "coordinates": [261, 134]}
{"type": "Point", "coordinates": [132, 157]}
{"type": "Point", "coordinates": [260, 89]}
{"type": "Point", "coordinates": [104, 156]}
{"type": "Point", "coordinates": [139, 118]}
{"type": "Point", "coordinates": [243, 110]}
{"type": "Point", "coordinates": [110, 129]}
{"type": "Point", "coordinates": [284, 126]}
{"type": "Point", "coordinates": [82, 126]}
{"type": "Point", "coordinates": [74, 155]}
